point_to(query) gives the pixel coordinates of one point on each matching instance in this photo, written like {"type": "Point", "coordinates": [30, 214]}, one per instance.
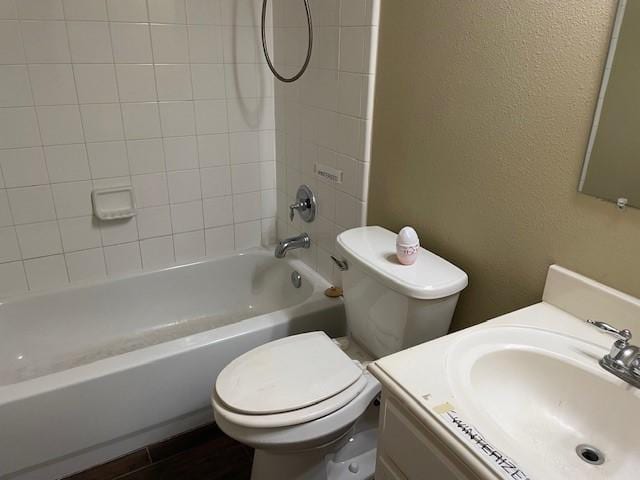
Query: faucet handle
{"type": "Point", "coordinates": [624, 335]}
{"type": "Point", "coordinates": [301, 205]}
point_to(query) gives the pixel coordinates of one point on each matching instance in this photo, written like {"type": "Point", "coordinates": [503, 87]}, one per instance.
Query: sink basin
{"type": "Point", "coordinates": [538, 395]}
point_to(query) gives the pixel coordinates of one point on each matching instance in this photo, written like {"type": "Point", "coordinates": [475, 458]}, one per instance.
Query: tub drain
{"type": "Point", "coordinates": [590, 454]}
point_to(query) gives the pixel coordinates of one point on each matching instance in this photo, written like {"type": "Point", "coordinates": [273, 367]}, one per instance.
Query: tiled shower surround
{"type": "Point", "coordinates": [168, 96]}
{"type": "Point", "coordinates": [173, 97]}
{"type": "Point", "coordinates": [325, 117]}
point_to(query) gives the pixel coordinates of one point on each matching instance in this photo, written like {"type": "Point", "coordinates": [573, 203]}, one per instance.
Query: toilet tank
{"type": "Point", "coordinates": [391, 306]}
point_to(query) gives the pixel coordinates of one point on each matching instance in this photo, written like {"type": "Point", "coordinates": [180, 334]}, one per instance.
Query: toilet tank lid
{"type": "Point", "coordinates": [373, 250]}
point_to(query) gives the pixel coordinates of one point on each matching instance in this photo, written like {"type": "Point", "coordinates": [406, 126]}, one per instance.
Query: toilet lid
{"type": "Point", "coordinates": [285, 375]}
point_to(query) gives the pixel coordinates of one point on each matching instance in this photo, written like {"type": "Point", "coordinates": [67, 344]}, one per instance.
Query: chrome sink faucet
{"type": "Point", "coordinates": [301, 241]}
{"type": "Point", "coordinates": [623, 360]}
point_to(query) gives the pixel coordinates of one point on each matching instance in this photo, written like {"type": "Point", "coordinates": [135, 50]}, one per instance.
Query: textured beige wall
{"type": "Point", "coordinates": [483, 109]}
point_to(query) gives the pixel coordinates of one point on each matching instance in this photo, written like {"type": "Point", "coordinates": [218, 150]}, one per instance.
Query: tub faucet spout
{"type": "Point", "coordinates": [301, 241]}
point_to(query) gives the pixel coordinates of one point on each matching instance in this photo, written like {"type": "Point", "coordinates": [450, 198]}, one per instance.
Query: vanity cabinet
{"type": "Point", "coordinates": [407, 450]}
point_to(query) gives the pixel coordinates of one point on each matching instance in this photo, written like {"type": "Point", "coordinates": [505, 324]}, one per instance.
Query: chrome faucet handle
{"type": "Point", "coordinates": [623, 359]}
{"type": "Point", "coordinates": [305, 204]}
{"type": "Point", "coordinates": [624, 335]}
{"type": "Point", "coordinates": [301, 205]}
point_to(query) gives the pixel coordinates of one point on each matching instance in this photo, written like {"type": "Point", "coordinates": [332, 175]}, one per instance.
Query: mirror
{"type": "Point", "coordinates": [612, 164]}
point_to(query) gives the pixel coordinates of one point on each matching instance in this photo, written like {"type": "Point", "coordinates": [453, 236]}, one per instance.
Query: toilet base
{"type": "Point", "coordinates": [352, 457]}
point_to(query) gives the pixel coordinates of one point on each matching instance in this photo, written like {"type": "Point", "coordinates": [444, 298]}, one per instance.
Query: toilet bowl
{"type": "Point", "coordinates": [306, 403]}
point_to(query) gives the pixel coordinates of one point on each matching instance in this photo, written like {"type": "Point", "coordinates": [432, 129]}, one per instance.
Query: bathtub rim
{"type": "Point", "coordinates": [77, 285]}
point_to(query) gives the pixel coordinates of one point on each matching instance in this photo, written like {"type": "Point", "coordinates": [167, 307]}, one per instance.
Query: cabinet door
{"type": "Point", "coordinates": [412, 449]}
{"type": "Point", "coordinates": [385, 470]}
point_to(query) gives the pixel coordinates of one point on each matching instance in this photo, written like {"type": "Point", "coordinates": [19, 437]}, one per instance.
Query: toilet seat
{"type": "Point", "coordinates": [294, 417]}
{"type": "Point", "coordinates": [305, 435]}
{"type": "Point", "coordinates": [305, 373]}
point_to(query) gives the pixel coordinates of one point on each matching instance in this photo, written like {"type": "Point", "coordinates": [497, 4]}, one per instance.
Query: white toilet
{"type": "Point", "coordinates": [306, 403]}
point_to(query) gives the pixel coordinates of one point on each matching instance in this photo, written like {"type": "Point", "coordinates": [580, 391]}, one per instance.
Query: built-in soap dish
{"type": "Point", "coordinates": [114, 203]}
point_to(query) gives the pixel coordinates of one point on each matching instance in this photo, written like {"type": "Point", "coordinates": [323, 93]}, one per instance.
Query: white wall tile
{"type": "Point", "coordinates": [250, 114]}
{"type": "Point", "coordinates": [248, 235]}
{"type": "Point", "coordinates": [8, 9]}
{"type": "Point", "coordinates": [241, 80]}
{"type": "Point", "coordinates": [124, 181]}
{"type": "Point", "coordinates": [181, 153]}
{"type": "Point", "coordinates": [18, 127]}
{"type": "Point", "coordinates": [268, 203]}
{"type": "Point", "coordinates": [219, 240]}
{"type": "Point", "coordinates": [170, 44]}
{"type": "Point", "coordinates": [244, 147]}
{"type": "Point", "coordinates": [154, 221]}
{"type": "Point", "coordinates": [146, 156]}
{"type": "Point", "coordinates": [131, 43]}
{"type": "Point", "coordinates": [203, 12]}
{"type": "Point", "coordinates": [150, 190]}
{"type": "Point", "coordinates": [15, 90]}
{"type": "Point", "coordinates": [136, 83]}
{"type": "Point", "coordinates": [121, 231]}
{"type": "Point", "coordinates": [247, 207]}
{"type": "Point", "coordinates": [5, 211]}
{"type": "Point", "coordinates": [211, 116]}
{"type": "Point", "coordinates": [102, 122]}
{"type": "Point", "coordinates": [157, 253]}
{"type": "Point", "coordinates": [12, 279]}
{"type": "Point", "coordinates": [39, 239]}
{"type": "Point", "coordinates": [90, 42]}
{"type": "Point", "coordinates": [208, 81]}
{"type": "Point", "coordinates": [187, 217]}
{"type": "Point", "coordinates": [47, 272]}
{"type": "Point", "coordinates": [31, 204]}
{"type": "Point", "coordinates": [40, 9]}
{"type": "Point", "coordinates": [218, 211]}
{"type": "Point", "coordinates": [141, 120]}
{"type": "Point", "coordinates": [85, 9]}
{"type": "Point", "coordinates": [108, 159]}
{"type": "Point", "coordinates": [127, 10]}
{"type": "Point", "coordinates": [269, 232]}
{"type": "Point", "coordinates": [205, 44]}
{"type": "Point", "coordinates": [123, 259]}
{"type": "Point", "coordinates": [96, 83]}
{"type": "Point", "coordinates": [174, 82]}
{"type": "Point", "coordinates": [353, 12]}
{"type": "Point", "coordinates": [11, 46]}
{"type": "Point", "coordinates": [67, 163]}
{"type": "Point", "coordinates": [184, 186]}
{"type": "Point", "coordinates": [80, 233]}
{"type": "Point", "coordinates": [87, 265]}
{"type": "Point", "coordinates": [24, 167]}
{"type": "Point", "coordinates": [240, 44]}
{"type": "Point", "coordinates": [350, 94]}
{"type": "Point", "coordinates": [245, 178]}
{"type": "Point", "coordinates": [9, 249]}
{"type": "Point", "coordinates": [167, 11]}
{"type": "Point", "coordinates": [60, 124]}
{"type": "Point", "coordinates": [46, 42]}
{"type": "Point", "coordinates": [216, 181]}
{"type": "Point", "coordinates": [268, 175]}
{"type": "Point", "coordinates": [72, 199]}
{"type": "Point", "coordinates": [267, 146]}
{"type": "Point", "coordinates": [189, 246]}
{"type": "Point", "coordinates": [213, 150]}
{"type": "Point", "coordinates": [53, 84]}
{"type": "Point", "coordinates": [177, 119]}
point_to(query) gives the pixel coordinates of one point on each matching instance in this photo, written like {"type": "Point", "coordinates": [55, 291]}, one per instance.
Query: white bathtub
{"type": "Point", "coordinates": [90, 372]}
